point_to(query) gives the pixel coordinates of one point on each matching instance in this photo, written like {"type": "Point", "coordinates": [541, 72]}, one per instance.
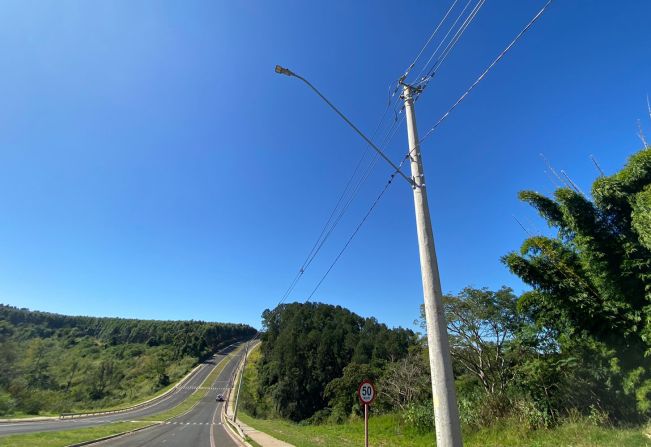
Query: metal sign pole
{"type": "Point", "coordinates": [366, 425]}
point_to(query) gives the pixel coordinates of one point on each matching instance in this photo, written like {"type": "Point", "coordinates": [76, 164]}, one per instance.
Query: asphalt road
{"type": "Point", "coordinates": [200, 427]}
{"type": "Point", "coordinates": [159, 406]}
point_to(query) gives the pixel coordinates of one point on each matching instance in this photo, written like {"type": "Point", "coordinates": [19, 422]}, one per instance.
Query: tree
{"type": "Point", "coordinates": [8, 354]}
{"type": "Point", "coordinates": [482, 328]}
{"type": "Point", "coordinates": [102, 377]}
{"type": "Point", "coordinates": [405, 382]}
{"type": "Point", "coordinates": [36, 366]}
{"type": "Point", "coordinates": [342, 391]}
{"type": "Point", "coordinates": [307, 346]}
{"type": "Point", "coordinates": [593, 278]}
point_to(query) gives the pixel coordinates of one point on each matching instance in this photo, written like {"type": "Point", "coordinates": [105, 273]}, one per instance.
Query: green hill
{"type": "Point", "coordinates": [51, 363]}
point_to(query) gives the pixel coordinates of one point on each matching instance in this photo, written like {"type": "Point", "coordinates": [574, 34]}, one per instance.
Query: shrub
{"type": "Point", "coordinates": [7, 404]}
{"type": "Point", "coordinates": [420, 417]}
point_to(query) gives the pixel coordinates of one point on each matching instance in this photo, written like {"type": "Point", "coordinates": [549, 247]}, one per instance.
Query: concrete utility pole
{"type": "Point", "coordinates": [446, 411]}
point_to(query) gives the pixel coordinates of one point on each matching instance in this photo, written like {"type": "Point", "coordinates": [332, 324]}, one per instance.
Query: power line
{"type": "Point", "coordinates": [288, 72]}
{"type": "Point", "coordinates": [352, 193]}
{"type": "Point", "coordinates": [453, 42]}
{"type": "Point", "coordinates": [316, 247]}
{"type": "Point", "coordinates": [401, 80]}
{"type": "Point", "coordinates": [411, 66]}
{"type": "Point", "coordinates": [320, 242]}
{"type": "Point", "coordinates": [492, 64]}
{"type": "Point", "coordinates": [354, 233]}
{"type": "Point", "coordinates": [330, 225]}
{"type": "Point", "coordinates": [436, 50]}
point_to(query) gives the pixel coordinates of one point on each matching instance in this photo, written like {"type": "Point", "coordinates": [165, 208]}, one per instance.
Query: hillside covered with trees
{"type": "Point", "coordinates": [311, 356]}
{"type": "Point", "coordinates": [56, 363]}
{"type": "Point", "coordinates": [576, 346]}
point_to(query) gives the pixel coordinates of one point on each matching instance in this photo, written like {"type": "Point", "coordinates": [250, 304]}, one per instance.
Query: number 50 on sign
{"type": "Point", "coordinates": [366, 392]}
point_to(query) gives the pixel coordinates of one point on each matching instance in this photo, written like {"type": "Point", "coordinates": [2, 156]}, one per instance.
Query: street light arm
{"type": "Point", "coordinates": [288, 72]}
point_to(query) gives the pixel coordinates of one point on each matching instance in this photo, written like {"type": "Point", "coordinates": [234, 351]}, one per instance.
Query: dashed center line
{"type": "Point", "coordinates": [202, 388]}
{"type": "Point", "coordinates": [192, 423]}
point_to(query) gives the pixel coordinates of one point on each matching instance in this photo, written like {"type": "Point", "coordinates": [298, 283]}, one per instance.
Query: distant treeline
{"type": "Point", "coordinates": [56, 363]}
{"type": "Point", "coordinates": [193, 338]}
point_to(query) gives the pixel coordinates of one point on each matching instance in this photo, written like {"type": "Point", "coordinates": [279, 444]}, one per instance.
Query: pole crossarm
{"type": "Point", "coordinates": [288, 72]}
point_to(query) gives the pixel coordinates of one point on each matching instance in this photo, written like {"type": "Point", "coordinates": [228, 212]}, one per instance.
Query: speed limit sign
{"type": "Point", "coordinates": [366, 392]}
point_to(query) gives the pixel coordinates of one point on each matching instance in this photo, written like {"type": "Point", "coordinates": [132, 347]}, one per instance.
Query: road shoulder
{"type": "Point", "coordinates": [242, 430]}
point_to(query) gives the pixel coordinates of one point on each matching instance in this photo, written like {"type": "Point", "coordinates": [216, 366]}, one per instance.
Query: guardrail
{"type": "Point", "coordinates": [137, 406]}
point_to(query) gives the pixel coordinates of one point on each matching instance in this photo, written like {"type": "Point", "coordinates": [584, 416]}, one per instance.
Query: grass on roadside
{"type": "Point", "coordinates": [67, 437]}
{"type": "Point", "coordinates": [386, 431]}
{"type": "Point", "coordinates": [251, 441]}
{"type": "Point", "coordinates": [21, 415]}
{"type": "Point", "coordinates": [145, 399]}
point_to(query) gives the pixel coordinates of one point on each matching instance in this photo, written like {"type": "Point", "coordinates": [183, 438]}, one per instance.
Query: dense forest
{"type": "Point", "coordinates": [576, 345]}
{"type": "Point", "coordinates": [309, 349]}
{"type": "Point", "coordinates": [55, 363]}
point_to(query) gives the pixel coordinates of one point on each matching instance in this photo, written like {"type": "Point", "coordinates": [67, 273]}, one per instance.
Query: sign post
{"type": "Point", "coordinates": [366, 393]}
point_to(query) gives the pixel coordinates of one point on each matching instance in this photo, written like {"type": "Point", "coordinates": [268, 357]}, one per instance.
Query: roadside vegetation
{"type": "Point", "coordinates": [390, 430]}
{"type": "Point", "coordinates": [68, 437]}
{"type": "Point", "coordinates": [50, 363]}
{"type": "Point", "coordinates": [566, 363]}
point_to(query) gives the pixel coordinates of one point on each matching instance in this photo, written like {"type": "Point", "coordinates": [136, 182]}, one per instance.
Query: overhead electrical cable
{"type": "Point", "coordinates": [398, 82]}
{"type": "Point", "coordinates": [354, 233]}
{"type": "Point", "coordinates": [411, 66]}
{"type": "Point", "coordinates": [355, 191]}
{"type": "Point", "coordinates": [485, 72]}
{"type": "Point", "coordinates": [346, 197]}
{"type": "Point", "coordinates": [420, 76]}
{"type": "Point", "coordinates": [320, 239]}
{"type": "Point", "coordinates": [453, 43]}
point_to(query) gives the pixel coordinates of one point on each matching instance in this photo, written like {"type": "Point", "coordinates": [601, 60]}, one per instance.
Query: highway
{"type": "Point", "coordinates": [200, 426]}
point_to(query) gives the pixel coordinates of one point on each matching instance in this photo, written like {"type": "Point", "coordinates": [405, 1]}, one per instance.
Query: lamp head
{"type": "Point", "coordinates": [282, 70]}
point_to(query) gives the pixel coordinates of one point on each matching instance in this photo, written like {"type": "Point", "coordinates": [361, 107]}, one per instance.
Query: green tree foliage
{"type": "Point", "coordinates": [308, 346]}
{"type": "Point", "coordinates": [341, 393]}
{"type": "Point", "coordinates": [483, 326]}
{"type": "Point", "coordinates": [592, 281]}
{"type": "Point", "coordinates": [58, 363]}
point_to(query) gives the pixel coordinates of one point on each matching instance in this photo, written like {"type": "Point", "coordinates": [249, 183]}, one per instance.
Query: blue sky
{"type": "Point", "coordinates": [152, 165]}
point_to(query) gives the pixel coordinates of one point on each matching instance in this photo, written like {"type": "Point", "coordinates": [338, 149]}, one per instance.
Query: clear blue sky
{"type": "Point", "coordinates": [152, 165]}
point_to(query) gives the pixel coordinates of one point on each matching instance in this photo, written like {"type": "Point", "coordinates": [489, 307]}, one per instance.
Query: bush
{"type": "Point", "coordinates": [530, 415]}
{"type": "Point", "coordinates": [479, 409]}
{"type": "Point", "coordinates": [420, 417]}
{"type": "Point", "coordinates": [31, 404]}
{"type": "Point", "coordinates": [7, 404]}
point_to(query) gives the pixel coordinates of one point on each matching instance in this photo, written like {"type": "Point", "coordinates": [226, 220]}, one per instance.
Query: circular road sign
{"type": "Point", "coordinates": [366, 392]}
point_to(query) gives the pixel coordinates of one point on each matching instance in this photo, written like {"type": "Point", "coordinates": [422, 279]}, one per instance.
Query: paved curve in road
{"type": "Point", "coordinates": [159, 406]}
{"type": "Point", "coordinates": [200, 427]}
